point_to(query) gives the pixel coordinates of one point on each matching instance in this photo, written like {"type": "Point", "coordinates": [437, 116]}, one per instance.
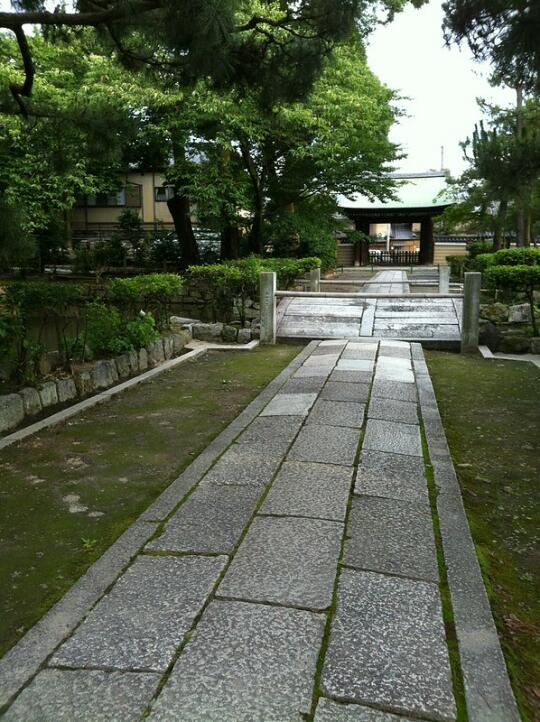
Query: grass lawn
{"type": "Point", "coordinates": [67, 493]}
{"type": "Point", "coordinates": [491, 414]}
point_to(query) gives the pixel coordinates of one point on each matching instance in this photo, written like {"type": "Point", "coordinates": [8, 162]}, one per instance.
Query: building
{"type": "Point", "coordinates": [403, 224]}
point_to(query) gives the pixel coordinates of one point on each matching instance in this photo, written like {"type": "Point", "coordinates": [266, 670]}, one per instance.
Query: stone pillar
{"type": "Point", "coordinates": [471, 312]}
{"type": "Point", "coordinates": [427, 246]}
{"type": "Point", "coordinates": [267, 286]}
{"type": "Point", "coordinates": [444, 279]}
{"type": "Point", "coordinates": [315, 280]}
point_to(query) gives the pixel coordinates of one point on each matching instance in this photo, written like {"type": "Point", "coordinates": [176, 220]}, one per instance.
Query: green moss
{"type": "Point", "coordinates": [115, 459]}
{"type": "Point", "coordinates": [490, 411]}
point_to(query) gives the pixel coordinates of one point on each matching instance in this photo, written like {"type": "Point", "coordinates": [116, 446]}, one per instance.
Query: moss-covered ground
{"type": "Point", "coordinates": [491, 414]}
{"type": "Point", "coordinates": [67, 493]}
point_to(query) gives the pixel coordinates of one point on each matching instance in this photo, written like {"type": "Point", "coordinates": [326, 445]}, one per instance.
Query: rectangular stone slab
{"type": "Point", "coordinates": [354, 364]}
{"type": "Point", "coordinates": [395, 352]}
{"type": "Point", "coordinates": [240, 466]}
{"type": "Point", "coordinates": [394, 390]}
{"type": "Point", "coordinates": [393, 410]}
{"type": "Point", "coordinates": [332, 310]}
{"type": "Point", "coordinates": [314, 490]}
{"type": "Point", "coordinates": [163, 596]}
{"type": "Point", "coordinates": [394, 476]}
{"type": "Point", "coordinates": [325, 444]}
{"type": "Point", "coordinates": [272, 428]}
{"type": "Point", "coordinates": [337, 413]}
{"type": "Point", "coordinates": [308, 371]}
{"type": "Point", "coordinates": [285, 560]}
{"type": "Point", "coordinates": [210, 521]}
{"type": "Point", "coordinates": [391, 537]}
{"type": "Point", "coordinates": [402, 375]}
{"type": "Point", "coordinates": [367, 354]}
{"type": "Point", "coordinates": [330, 711]}
{"type": "Point", "coordinates": [387, 647]}
{"type": "Point", "coordinates": [393, 437]}
{"type": "Point", "coordinates": [289, 405]}
{"type": "Point", "coordinates": [244, 663]}
{"type": "Point", "coordinates": [339, 391]}
{"type": "Point", "coordinates": [351, 377]}
{"type": "Point", "coordinates": [84, 696]}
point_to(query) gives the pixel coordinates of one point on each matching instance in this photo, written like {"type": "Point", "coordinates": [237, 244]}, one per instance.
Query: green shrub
{"type": "Point", "coordinates": [142, 330]}
{"type": "Point", "coordinates": [482, 262]}
{"type": "Point", "coordinates": [477, 247]}
{"type": "Point", "coordinates": [151, 292]}
{"type": "Point", "coordinates": [525, 279]}
{"type": "Point", "coordinates": [105, 330]}
{"type": "Point", "coordinates": [517, 257]}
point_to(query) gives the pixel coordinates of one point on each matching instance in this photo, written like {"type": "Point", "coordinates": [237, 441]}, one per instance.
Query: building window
{"type": "Point", "coordinates": [163, 193]}
{"type": "Point", "coordinates": [107, 200]}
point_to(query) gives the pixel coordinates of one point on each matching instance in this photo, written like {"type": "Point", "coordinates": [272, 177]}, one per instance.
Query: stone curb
{"type": "Point", "coordinates": [22, 661]}
{"type": "Point", "coordinates": [488, 692]}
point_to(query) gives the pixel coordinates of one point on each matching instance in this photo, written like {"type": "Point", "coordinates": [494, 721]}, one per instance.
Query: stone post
{"type": "Point", "coordinates": [444, 279]}
{"type": "Point", "coordinates": [315, 280]}
{"type": "Point", "coordinates": [267, 286]}
{"type": "Point", "coordinates": [471, 312]}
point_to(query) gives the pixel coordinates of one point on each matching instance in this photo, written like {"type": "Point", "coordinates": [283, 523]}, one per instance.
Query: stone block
{"type": "Point", "coordinates": [330, 711]}
{"type": "Point", "coordinates": [337, 413]}
{"type": "Point", "coordinates": [320, 371]}
{"type": "Point", "coordinates": [393, 437]}
{"type": "Point", "coordinates": [31, 401]}
{"type": "Point", "coordinates": [391, 537]}
{"type": "Point", "coordinates": [123, 366]}
{"type": "Point", "coordinates": [84, 696]}
{"type": "Point", "coordinates": [490, 335]}
{"type": "Point", "coordinates": [326, 445]}
{"type": "Point", "coordinates": [394, 476]}
{"type": "Point", "coordinates": [313, 490]}
{"type": "Point", "coordinates": [285, 560]}
{"type": "Point", "coordinates": [177, 323]}
{"type": "Point", "coordinates": [133, 358]}
{"type": "Point", "coordinates": [142, 620]}
{"type": "Point", "coordinates": [515, 343]}
{"type": "Point", "coordinates": [143, 359]}
{"type": "Point", "coordinates": [104, 374]}
{"type": "Point", "coordinates": [229, 334]}
{"type": "Point", "coordinates": [207, 331]}
{"type": "Point", "coordinates": [271, 429]}
{"type": "Point", "coordinates": [244, 663]}
{"type": "Point", "coordinates": [520, 313]}
{"type": "Point", "coordinates": [66, 389]}
{"type": "Point", "coordinates": [351, 377]}
{"type": "Point", "coordinates": [535, 345]}
{"type": "Point", "coordinates": [393, 410]}
{"type": "Point", "coordinates": [156, 353]}
{"type": "Point", "coordinates": [303, 385]}
{"type": "Point", "coordinates": [180, 339]}
{"type": "Point", "coordinates": [387, 647]}
{"type": "Point", "coordinates": [244, 335]}
{"type": "Point", "coordinates": [168, 347]}
{"type": "Point", "coordinates": [11, 411]}
{"type": "Point", "coordinates": [393, 390]}
{"type": "Point", "coordinates": [289, 405]}
{"type": "Point", "coordinates": [339, 391]}
{"type": "Point", "coordinates": [395, 352]}
{"type": "Point", "coordinates": [241, 467]}
{"type": "Point", "coordinates": [355, 364]}
{"type": "Point", "coordinates": [48, 394]}
{"type": "Point", "coordinates": [494, 312]}
{"type": "Point", "coordinates": [84, 381]}
{"type": "Point", "coordinates": [210, 521]}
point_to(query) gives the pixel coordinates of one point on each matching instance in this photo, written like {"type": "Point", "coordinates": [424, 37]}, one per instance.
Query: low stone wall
{"type": "Point", "coordinates": [507, 328]}
{"type": "Point", "coordinates": [218, 332]}
{"type": "Point", "coordinates": [88, 379]}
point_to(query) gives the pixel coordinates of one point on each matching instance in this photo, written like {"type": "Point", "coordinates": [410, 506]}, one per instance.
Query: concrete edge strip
{"type": "Point", "coordinates": [488, 692]}
{"type": "Point", "coordinates": [530, 358]}
{"type": "Point", "coordinates": [20, 664]}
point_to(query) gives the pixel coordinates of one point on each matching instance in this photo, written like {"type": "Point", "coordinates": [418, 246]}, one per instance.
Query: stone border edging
{"type": "Point", "coordinates": [20, 664]}
{"type": "Point", "coordinates": [488, 693]}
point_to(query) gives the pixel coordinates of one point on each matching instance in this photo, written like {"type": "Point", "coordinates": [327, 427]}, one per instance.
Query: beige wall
{"type": "Point", "coordinates": [448, 249]}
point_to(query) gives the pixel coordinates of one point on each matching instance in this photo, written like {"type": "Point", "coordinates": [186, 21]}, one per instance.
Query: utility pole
{"type": "Point", "coordinates": [521, 219]}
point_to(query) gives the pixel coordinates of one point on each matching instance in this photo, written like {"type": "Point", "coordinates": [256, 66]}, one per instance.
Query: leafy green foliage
{"type": "Point", "coordinates": [477, 247]}
{"type": "Point", "coordinates": [153, 291]}
{"type": "Point", "coordinates": [105, 330]}
{"type": "Point", "coordinates": [517, 257]}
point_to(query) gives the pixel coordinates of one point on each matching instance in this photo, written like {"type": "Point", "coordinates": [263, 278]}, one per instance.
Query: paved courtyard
{"type": "Point", "coordinates": [290, 574]}
{"type": "Point", "coordinates": [406, 318]}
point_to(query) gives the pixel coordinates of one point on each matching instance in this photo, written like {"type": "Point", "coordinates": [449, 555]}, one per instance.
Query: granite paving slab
{"type": "Point", "coordinates": [319, 326]}
{"type": "Point", "coordinates": [313, 490]}
{"type": "Point", "coordinates": [391, 537]}
{"type": "Point", "coordinates": [393, 390]}
{"type": "Point", "coordinates": [240, 466]}
{"type": "Point", "coordinates": [405, 376]}
{"type": "Point", "coordinates": [393, 362]}
{"type": "Point", "coordinates": [307, 371]}
{"type": "Point", "coordinates": [394, 476]}
{"type": "Point", "coordinates": [387, 646]}
{"type": "Point", "coordinates": [163, 596]}
{"type": "Point", "coordinates": [285, 560]}
{"type": "Point", "coordinates": [366, 354]}
{"type": "Point", "coordinates": [333, 343]}
{"type": "Point", "coordinates": [394, 437]}
{"type": "Point", "coordinates": [289, 405]}
{"type": "Point", "coordinates": [352, 364]}
{"type": "Point", "coordinates": [325, 359]}
{"type": "Point", "coordinates": [330, 711]}
{"type": "Point", "coordinates": [276, 428]}
{"type": "Point", "coordinates": [84, 696]}
{"type": "Point", "coordinates": [393, 410]}
{"type": "Point", "coordinates": [339, 391]}
{"type": "Point", "coordinates": [303, 385]}
{"type": "Point", "coordinates": [337, 413]}
{"type": "Point", "coordinates": [351, 377]}
{"type": "Point", "coordinates": [394, 351]}
{"type": "Point", "coordinates": [210, 520]}
{"type": "Point", "coordinates": [333, 310]}
{"type": "Point", "coordinates": [244, 663]}
{"type": "Point", "coordinates": [325, 444]}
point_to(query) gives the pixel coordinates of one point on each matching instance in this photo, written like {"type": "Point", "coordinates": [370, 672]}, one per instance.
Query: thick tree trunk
{"type": "Point", "coordinates": [498, 237]}
{"type": "Point", "coordinates": [180, 211]}
{"type": "Point", "coordinates": [230, 241]}
{"type": "Point", "coordinates": [256, 233]}
{"type": "Point", "coordinates": [363, 250]}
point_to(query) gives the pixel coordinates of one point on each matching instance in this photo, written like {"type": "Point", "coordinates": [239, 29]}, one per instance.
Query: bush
{"type": "Point", "coordinates": [152, 292]}
{"type": "Point", "coordinates": [477, 247]}
{"type": "Point", "coordinates": [517, 278]}
{"type": "Point", "coordinates": [482, 262]}
{"type": "Point", "coordinates": [517, 257]}
{"type": "Point", "coordinates": [105, 330]}
{"type": "Point", "coordinates": [142, 330]}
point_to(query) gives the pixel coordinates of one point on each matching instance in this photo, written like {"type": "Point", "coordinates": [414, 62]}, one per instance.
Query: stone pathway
{"type": "Point", "coordinates": [407, 318]}
{"type": "Point", "coordinates": [290, 574]}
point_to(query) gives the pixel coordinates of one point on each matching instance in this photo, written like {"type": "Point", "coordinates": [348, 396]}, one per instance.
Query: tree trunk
{"type": "Point", "coordinates": [230, 241]}
{"type": "Point", "coordinates": [180, 211]}
{"type": "Point", "coordinates": [520, 200]}
{"type": "Point", "coordinates": [498, 236]}
{"type": "Point", "coordinates": [256, 233]}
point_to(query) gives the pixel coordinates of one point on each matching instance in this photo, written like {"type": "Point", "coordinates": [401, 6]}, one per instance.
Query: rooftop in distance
{"type": "Point", "coordinates": [414, 190]}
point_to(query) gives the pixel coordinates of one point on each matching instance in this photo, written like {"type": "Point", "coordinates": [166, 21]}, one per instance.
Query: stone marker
{"type": "Point", "coordinates": [444, 279]}
{"type": "Point", "coordinates": [471, 312]}
{"type": "Point", "coordinates": [387, 647]}
{"type": "Point", "coordinates": [245, 663]}
{"type": "Point", "coordinates": [315, 280]}
{"type": "Point", "coordinates": [267, 286]}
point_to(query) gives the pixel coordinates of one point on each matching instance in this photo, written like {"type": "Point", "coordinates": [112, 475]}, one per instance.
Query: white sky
{"type": "Point", "coordinates": [442, 85]}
